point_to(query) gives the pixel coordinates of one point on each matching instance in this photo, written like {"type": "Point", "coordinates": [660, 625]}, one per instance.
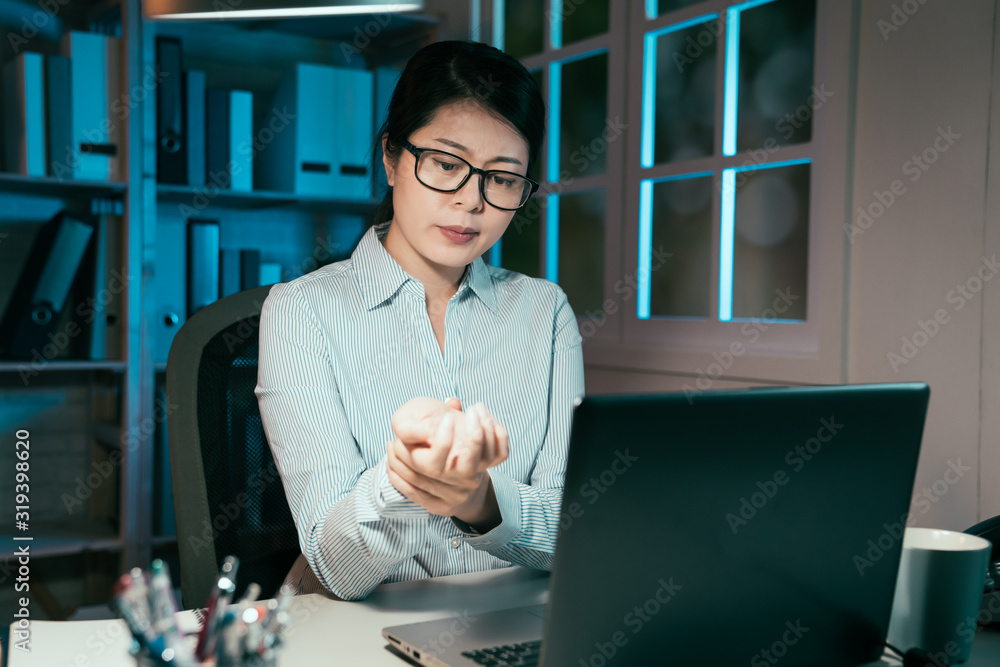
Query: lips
{"type": "Point", "coordinates": [459, 235]}
{"type": "Point", "coordinates": [461, 230]}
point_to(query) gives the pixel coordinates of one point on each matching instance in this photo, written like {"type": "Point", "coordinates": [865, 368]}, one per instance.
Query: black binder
{"type": "Point", "coordinates": [29, 325]}
{"type": "Point", "coordinates": [58, 94]}
{"type": "Point", "coordinates": [194, 127]}
{"type": "Point", "coordinates": [171, 148]}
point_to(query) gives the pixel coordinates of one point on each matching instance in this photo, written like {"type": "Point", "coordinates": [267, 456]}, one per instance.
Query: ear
{"type": "Point", "coordinates": [388, 163]}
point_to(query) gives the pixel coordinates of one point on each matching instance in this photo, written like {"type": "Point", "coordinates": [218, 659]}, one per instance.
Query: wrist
{"type": "Point", "coordinates": [481, 512]}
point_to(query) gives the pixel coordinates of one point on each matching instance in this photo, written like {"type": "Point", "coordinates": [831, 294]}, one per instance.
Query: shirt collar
{"type": "Point", "coordinates": [380, 277]}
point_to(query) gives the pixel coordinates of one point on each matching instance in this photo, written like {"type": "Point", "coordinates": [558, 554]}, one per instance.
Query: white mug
{"type": "Point", "coordinates": [939, 588]}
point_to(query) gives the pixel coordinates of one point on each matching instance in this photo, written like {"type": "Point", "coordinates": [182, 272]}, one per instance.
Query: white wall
{"type": "Point", "coordinates": [934, 73]}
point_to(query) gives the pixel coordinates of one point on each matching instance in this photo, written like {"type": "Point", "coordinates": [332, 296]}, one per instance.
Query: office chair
{"type": "Point", "coordinates": [228, 497]}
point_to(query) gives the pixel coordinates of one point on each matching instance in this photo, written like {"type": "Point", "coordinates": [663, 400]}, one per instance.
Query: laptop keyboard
{"type": "Point", "coordinates": [525, 654]}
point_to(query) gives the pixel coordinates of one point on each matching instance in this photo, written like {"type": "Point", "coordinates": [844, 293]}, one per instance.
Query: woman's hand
{"type": "Point", "coordinates": [440, 456]}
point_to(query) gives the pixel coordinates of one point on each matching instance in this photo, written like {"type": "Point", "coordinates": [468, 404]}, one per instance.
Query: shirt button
{"type": "Point", "coordinates": [455, 543]}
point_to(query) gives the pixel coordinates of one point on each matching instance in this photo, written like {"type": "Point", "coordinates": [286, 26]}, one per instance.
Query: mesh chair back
{"type": "Point", "coordinates": [228, 496]}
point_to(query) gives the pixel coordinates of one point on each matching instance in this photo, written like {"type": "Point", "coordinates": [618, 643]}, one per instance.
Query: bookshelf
{"type": "Point", "coordinates": [91, 416]}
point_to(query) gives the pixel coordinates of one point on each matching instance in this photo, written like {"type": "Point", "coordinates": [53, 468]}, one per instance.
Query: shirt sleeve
{"type": "Point", "coordinates": [354, 527]}
{"type": "Point", "coordinates": [530, 512]}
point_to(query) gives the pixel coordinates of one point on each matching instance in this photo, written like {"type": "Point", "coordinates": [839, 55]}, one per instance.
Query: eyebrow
{"type": "Point", "coordinates": [500, 158]}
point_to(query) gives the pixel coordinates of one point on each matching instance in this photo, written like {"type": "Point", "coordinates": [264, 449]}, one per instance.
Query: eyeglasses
{"type": "Point", "coordinates": [445, 172]}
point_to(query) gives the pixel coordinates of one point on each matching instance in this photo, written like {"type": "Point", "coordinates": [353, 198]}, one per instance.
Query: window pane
{"type": "Point", "coordinates": [776, 100]}
{"type": "Point", "coordinates": [583, 18]}
{"type": "Point", "coordinates": [685, 93]}
{"type": "Point", "coordinates": [581, 249]}
{"type": "Point", "coordinates": [656, 7]}
{"type": "Point", "coordinates": [524, 22]}
{"type": "Point", "coordinates": [771, 248]}
{"type": "Point", "coordinates": [521, 249]}
{"type": "Point", "coordinates": [584, 116]}
{"type": "Point", "coordinates": [682, 226]}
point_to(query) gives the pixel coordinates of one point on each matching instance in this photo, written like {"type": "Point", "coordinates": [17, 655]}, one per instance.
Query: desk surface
{"type": "Point", "coordinates": [331, 632]}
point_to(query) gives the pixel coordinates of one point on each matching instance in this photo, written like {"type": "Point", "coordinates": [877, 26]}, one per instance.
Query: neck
{"type": "Point", "coordinates": [440, 282]}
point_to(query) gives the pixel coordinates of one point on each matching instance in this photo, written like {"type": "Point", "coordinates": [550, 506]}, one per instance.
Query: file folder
{"type": "Point", "coordinates": [229, 272]}
{"type": "Point", "coordinates": [94, 85]}
{"type": "Point", "coordinates": [194, 126]}
{"type": "Point", "coordinates": [322, 147]}
{"type": "Point", "coordinates": [229, 137]}
{"type": "Point", "coordinates": [202, 263]}
{"type": "Point", "coordinates": [171, 146]}
{"type": "Point", "coordinates": [24, 119]}
{"type": "Point", "coordinates": [58, 114]}
{"type": "Point", "coordinates": [169, 285]}
{"type": "Point", "coordinates": [35, 309]}
{"type": "Point", "coordinates": [270, 273]}
{"type": "Point", "coordinates": [249, 269]}
{"type": "Point", "coordinates": [105, 312]}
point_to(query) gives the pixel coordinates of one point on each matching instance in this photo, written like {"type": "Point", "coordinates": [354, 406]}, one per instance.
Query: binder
{"type": "Point", "coordinates": [104, 308]}
{"type": "Point", "coordinates": [249, 269]}
{"type": "Point", "coordinates": [94, 86]}
{"type": "Point", "coordinates": [229, 139]}
{"type": "Point", "coordinates": [58, 115]}
{"type": "Point", "coordinates": [194, 126]}
{"type": "Point", "coordinates": [171, 145]}
{"type": "Point", "coordinates": [202, 263]}
{"type": "Point", "coordinates": [29, 325]}
{"type": "Point", "coordinates": [164, 518]}
{"type": "Point", "coordinates": [385, 83]}
{"type": "Point", "coordinates": [229, 272]}
{"type": "Point", "coordinates": [169, 285]}
{"type": "Point", "coordinates": [24, 113]}
{"type": "Point", "coordinates": [321, 148]}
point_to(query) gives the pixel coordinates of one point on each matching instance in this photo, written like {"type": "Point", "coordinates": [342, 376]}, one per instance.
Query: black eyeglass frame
{"type": "Point", "coordinates": [483, 175]}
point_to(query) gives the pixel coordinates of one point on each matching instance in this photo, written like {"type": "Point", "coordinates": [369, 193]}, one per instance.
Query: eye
{"type": "Point", "coordinates": [501, 181]}
{"type": "Point", "coordinates": [446, 164]}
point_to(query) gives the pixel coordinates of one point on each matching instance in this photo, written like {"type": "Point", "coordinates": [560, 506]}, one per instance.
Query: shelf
{"type": "Point", "coordinates": [163, 540]}
{"type": "Point", "coordinates": [48, 186]}
{"type": "Point", "coordinates": [61, 539]}
{"type": "Point", "coordinates": [183, 194]}
{"type": "Point", "coordinates": [63, 365]}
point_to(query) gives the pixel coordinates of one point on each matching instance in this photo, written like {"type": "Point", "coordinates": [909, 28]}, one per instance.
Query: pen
{"type": "Point", "coordinates": [222, 593]}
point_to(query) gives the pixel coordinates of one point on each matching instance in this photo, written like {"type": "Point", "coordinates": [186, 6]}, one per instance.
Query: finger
{"type": "Point", "coordinates": [468, 455]}
{"type": "Point", "coordinates": [503, 446]}
{"type": "Point", "coordinates": [489, 435]}
{"type": "Point", "coordinates": [454, 404]}
{"type": "Point", "coordinates": [441, 443]}
{"type": "Point", "coordinates": [428, 501]}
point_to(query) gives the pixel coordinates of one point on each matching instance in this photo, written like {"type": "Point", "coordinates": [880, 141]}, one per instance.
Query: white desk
{"type": "Point", "coordinates": [331, 632]}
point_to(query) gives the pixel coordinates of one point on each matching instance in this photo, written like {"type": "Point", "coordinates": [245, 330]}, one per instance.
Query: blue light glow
{"type": "Point", "coordinates": [496, 253]}
{"type": "Point", "coordinates": [555, 25]}
{"type": "Point", "coordinates": [652, 9]}
{"type": "Point", "coordinates": [499, 10]}
{"type": "Point", "coordinates": [555, 108]}
{"type": "Point", "coordinates": [645, 246]}
{"type": "Point", "coordinates": [726, 241]}
{"type": "Point", "coordinates": [552, 238]}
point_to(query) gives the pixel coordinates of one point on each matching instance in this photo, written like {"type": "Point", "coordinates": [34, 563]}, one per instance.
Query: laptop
{"type": "Point", "coordinates": [733, 527]}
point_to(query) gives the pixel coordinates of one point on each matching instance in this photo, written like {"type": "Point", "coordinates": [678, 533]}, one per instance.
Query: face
{"type": "Point", "coordinates": [445, 231]}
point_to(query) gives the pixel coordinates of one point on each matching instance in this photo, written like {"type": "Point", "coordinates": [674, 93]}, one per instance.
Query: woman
{"type": "Point", "coordinates": [390, 345]}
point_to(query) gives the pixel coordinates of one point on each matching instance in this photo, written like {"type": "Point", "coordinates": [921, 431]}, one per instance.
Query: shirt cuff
{"type": "Point", "coordinates": [389, 502]}
{"type": "Point", "coordinates": [509, 501]}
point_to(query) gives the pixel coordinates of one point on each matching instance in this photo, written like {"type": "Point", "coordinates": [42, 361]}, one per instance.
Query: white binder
{"type": "Point", "coordinates": [24, 114]}
{"type": "Point", "coordinates": [322, 147]}
{"type": "Point", "coordinates": [95, 83]}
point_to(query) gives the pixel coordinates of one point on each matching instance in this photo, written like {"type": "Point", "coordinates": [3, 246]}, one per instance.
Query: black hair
{"type": "Point", "coordinates": [453, 71]}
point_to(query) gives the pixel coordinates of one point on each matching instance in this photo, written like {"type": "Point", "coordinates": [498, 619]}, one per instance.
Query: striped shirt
{"type": "Point", "coordinates": [343, 347]}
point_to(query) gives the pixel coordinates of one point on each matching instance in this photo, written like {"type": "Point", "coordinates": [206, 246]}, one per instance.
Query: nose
{"type": "Point", "coordinates": [469, 197]}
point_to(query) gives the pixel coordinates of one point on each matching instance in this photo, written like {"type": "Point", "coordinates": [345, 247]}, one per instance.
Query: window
{"type": "Point", "coordinates": [694, 178]}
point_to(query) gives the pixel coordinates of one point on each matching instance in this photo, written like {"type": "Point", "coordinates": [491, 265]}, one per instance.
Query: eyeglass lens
{"type": "Point", "coordinates": [442, 171]}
